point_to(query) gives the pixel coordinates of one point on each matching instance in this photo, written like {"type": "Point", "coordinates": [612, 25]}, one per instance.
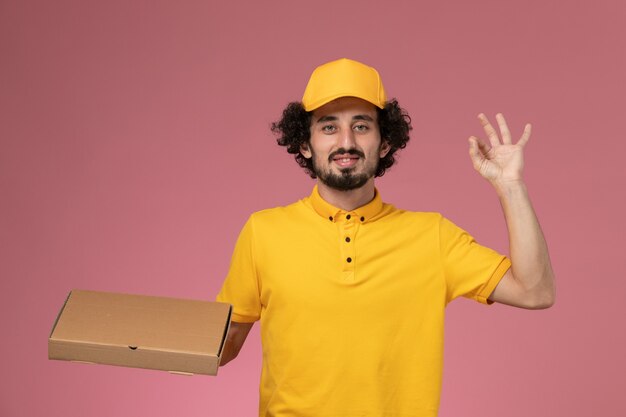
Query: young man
{"type": "Point", "coordinates": [351, 291]}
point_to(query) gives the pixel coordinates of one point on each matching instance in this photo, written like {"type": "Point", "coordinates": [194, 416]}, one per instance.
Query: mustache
{"type": "Point", "coordinates": [342, 151]}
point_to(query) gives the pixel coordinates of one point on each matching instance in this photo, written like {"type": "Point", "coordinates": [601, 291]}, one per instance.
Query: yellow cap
{"type": "Point", "coordinates": [343, 78]}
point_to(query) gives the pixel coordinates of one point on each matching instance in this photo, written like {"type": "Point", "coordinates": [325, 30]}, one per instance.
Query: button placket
{"type": "Point", "coordinates": [349, 223]}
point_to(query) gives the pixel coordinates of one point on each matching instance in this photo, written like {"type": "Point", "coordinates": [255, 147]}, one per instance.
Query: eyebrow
{"type": "Point", "coordinates": [334, 118]}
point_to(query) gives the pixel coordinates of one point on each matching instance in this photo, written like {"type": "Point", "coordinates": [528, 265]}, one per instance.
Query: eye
{"type": "Point", "coordinates": [361, 128]}
{"type": "Point", "coordinates": [328, 128]}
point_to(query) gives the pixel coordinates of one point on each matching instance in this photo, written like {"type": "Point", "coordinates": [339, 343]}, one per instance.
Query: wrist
{"type": "Point", "coordinates": [506, 188]}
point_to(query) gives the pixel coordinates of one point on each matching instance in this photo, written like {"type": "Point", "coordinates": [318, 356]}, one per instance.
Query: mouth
{"type": "Point", "coordinates": [343, 158]}
{"type": "Point", "coordinates": [346, 160]}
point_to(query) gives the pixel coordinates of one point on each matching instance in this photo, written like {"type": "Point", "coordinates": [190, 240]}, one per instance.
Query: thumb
{"type": "Point", "coordinates": [474, 152]}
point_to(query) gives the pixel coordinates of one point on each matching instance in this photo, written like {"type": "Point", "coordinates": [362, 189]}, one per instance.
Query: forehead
{"type": "Point", "coordinates": [346, 107]}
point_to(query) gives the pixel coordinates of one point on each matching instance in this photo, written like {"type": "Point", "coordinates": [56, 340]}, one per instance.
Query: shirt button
{"type": "Point", "coordinates": [347, 239]}
{"type": "Point", "coordinates": [348, 217]}
{"type": "Point", "coordinates": [330, 218]}
{"type": "Point", "coordinates": [362, 219]}
{"type": "Point", "coordinates": [349, 260]}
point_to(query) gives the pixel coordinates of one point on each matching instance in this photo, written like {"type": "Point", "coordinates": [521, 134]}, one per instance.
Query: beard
{"type": "Point", "coordinates": [347, 179]}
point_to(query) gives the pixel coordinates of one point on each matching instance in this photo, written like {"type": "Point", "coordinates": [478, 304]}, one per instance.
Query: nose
{"type": "Point", "coordinates": [347, 139]}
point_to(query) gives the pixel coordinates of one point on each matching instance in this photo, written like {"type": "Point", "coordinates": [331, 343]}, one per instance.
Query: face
{"type": "Point", "coordinates": [345, 144]}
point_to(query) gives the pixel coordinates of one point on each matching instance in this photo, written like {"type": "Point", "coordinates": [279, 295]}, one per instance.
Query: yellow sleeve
{"type": "Point", "coordinates": [241, 286]}
{"type": "Point", "coordinates": [470, 270]}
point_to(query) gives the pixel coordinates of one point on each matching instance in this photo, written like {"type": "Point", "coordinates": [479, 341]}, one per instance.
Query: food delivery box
{"type": "Point", "coordinates": [138, 331]}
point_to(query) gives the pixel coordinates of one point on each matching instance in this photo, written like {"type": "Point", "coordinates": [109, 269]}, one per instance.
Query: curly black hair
{"type": "Point", "coordinates": [293, 130]}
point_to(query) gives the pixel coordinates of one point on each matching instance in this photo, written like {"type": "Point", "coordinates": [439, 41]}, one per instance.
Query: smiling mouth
{"type": "Point", "coordinates": [346, 161]}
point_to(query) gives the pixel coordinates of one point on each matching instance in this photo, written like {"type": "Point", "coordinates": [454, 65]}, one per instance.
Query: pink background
{"type": "Point", "coordinates": [134, 143]}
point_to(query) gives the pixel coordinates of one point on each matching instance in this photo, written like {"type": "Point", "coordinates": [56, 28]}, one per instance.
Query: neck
{"type": "Point", "coordinates": [347, 200]}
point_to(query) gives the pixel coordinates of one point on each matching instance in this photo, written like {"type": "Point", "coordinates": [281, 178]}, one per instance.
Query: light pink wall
{"type": "Point", "coordinates": [134, 142]}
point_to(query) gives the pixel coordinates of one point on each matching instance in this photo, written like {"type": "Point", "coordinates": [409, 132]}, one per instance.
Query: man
{"type": "Point", "coordinates": [351, 291]}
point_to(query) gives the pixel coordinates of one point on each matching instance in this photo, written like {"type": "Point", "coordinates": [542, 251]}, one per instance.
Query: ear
{"type": "Point", "coordinates": [305, 150]}
{"type": "Point", "coordinates": [385, 147]}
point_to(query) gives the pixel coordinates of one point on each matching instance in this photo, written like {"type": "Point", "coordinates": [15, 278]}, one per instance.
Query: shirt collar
{"type": "Point", "coordinates": [328, 211]}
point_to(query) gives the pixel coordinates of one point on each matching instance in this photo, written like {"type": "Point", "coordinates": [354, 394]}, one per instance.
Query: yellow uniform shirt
{"type": "Point", "coordinates": [352, 305]}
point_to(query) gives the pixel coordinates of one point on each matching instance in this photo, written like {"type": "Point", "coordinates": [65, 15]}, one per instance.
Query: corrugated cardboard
{"type": "Point", "coordinates": [180, 336]}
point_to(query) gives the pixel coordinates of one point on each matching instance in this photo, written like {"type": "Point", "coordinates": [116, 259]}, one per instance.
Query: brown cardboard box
{"type": "Point", "coordinates": [179, 336]}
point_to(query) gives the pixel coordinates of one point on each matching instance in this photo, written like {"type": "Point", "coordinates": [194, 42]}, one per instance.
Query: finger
{"type": "Point", "coordinates": [477, 154]}
{"type": "Point", "coordinates": [474, 152]}
{"type": "Point", "coordinates": [504, 129]}
{"type": "Point", "coordinates": [482, 147]}
{"type": "Point", "coordinates": [525, 135]}
{"type": "Point", "coordinates": [489, 130]}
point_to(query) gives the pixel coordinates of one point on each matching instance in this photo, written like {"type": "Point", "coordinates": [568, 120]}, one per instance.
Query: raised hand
{"type": "Point", "coordinates": [529, 283]}
{"type": "Point", "coordinates": [501, 160]}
